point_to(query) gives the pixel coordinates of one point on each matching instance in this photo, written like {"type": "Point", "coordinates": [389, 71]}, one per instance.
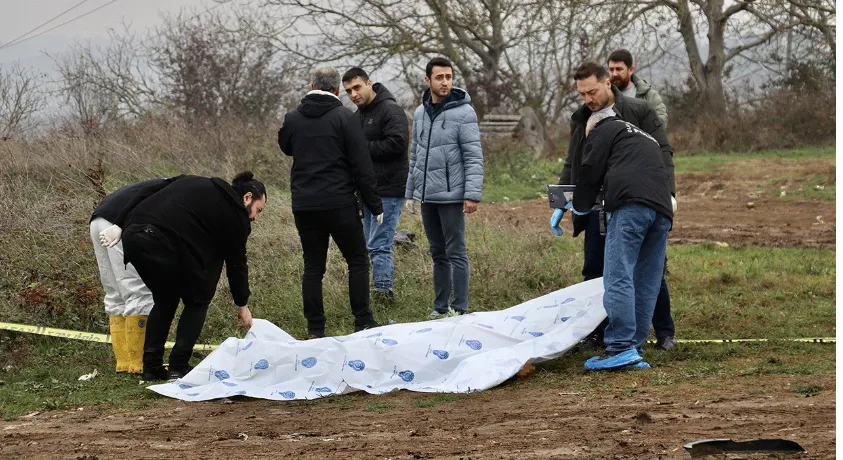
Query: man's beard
{"type": "Point", "coordinates": [620, 83]}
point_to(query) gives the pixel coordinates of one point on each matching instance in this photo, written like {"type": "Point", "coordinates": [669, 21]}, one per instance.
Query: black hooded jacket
{"type": "Point", "coordinates": [387, 130]}
{"type": "Point", "coordinates": [627, 163]}
{"type": "Point", "coordinates": [207, 224]}
{"type": "Point", "coordinates": [330, 156]}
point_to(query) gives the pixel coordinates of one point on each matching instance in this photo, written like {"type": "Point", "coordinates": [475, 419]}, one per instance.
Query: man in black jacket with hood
{"type": "Point", "coordinates": [178, 239]}
{"type": "Point", "coordinates": [625, 162]}
{"type": "Point", "coordinates": [330, 162]}
{"type": "Point", "coordinates": [387, 132]}
{"type": "Point", "coordinates": [598, 93]}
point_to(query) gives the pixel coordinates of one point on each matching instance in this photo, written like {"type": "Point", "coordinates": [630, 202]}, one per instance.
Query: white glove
{"type": "Point", "coordinates": [110, 236]}
{"type": "Point", "coordinates": [380, 218]}
{"type": "Point", "coordinates": [673, 202]}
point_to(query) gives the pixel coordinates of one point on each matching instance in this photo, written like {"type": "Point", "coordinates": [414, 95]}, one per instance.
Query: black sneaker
{"type": "Point", "coordinates": [315, 334]}
{"type": "Point", "coordinates": [592, 343]}
{"type": "Point", "coordinates": [370, 325]}
{"type": "Point", "coordinates": [154, 373]}
{"type": "Point", "coordinates": [179, 372]}
{"type": "Point", "coordinates": [665, 343]}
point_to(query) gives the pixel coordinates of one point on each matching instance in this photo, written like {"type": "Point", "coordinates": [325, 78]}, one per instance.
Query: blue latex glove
{"type": "Point", "coordinates": [580, 213]}
{"type": "Point", "coordinates": [555, 220]}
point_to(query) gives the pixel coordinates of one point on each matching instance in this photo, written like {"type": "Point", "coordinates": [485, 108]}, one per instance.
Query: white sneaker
{"type": "Point", "coordinates": [436, 315]}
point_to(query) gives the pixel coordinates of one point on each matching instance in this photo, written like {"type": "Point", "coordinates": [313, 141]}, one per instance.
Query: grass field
{"type": "Point", "coordinates": [48, 277]}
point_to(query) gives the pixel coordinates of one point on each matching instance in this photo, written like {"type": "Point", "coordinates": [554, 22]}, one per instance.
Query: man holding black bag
{"type": "Point", "coordinates": [330, 162]}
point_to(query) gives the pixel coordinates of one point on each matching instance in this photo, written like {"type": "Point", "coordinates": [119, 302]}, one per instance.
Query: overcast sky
{"type": "Point", "coordinates": [19, 16]}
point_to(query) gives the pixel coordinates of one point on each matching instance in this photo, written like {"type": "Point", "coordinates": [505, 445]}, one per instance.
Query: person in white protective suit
{"type": "Point", "coordinates": [127, 299]}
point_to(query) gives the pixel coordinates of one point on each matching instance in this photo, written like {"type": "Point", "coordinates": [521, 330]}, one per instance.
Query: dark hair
{"type": "Point", "coordinates": [621, 55]}
{"type": "Point", "coordinates": [439, 62]}
{"type": "Point", "coordinates": [591, 68]}
{"type": "Point", "coordinates": [353, 73]}
{"type": "Point", "coordinates": [245, 182]}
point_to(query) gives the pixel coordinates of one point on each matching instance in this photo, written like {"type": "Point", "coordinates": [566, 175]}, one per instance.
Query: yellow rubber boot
{"type": "Point", "coordinates": [135, 336]}
{"type": "Point", "coordinates": [117, 328]}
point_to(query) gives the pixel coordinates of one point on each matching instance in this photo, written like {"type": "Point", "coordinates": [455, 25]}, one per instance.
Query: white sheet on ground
{"type": "Point", "coordinates": [454, 355]}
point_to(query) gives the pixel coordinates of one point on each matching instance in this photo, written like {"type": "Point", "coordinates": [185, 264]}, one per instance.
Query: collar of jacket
{"type": "Point", "coordinates": [381, 94]}
{"type": "Point", "coordinates": [581, 114]}
{"type": "Point", "coordinates": [325, 93]}
{"type": "Point", "coordinates": [642, 86]}
{"type": "Point", "coordinates": [457, 97]}
{"type": "Point", "coordinates": [231, 194]}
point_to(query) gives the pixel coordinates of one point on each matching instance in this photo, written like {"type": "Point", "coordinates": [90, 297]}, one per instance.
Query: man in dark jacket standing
{"type": "Point", "coordinates": [387, 132]}
{"type": "Point", "coordinates": [599, 94]}
{"type": "Point", "coordinates": [626, 162]}
{"type": "Point", "coordinates": [178, 240]}
{"type": "Point", "coordinates": [330, 162]}
{"type": "Point", "coordinates": [446, 176]}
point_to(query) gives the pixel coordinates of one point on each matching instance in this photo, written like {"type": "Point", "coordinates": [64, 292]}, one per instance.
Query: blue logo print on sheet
{"type": "Point", "coordinates": [377, 334]}
{"type": "Point", "coordinates": [407, 376]}
{"type": "Point", "coordinates": [441, 354]}
{"type": "Point", "coordinates": [222, 375]}
{"type": "Point", "coordinates": [474, 344]}
{"type": "Point", "coordinates": [427, 329]}
{"type": "Point", "coordinates": [518, 318]}
{"type": "Point", "coordinates": [241, 392]}
{"type": "Point", "coordinates": [262, 364]}
{"type": "Point", "coordinates": [185, 386]}
{"type": "Point", "coordinates": [357, 365]}
{"type": "Point", "coordinates": [323, 390]}
{"type": "Point", "coordinates": [536, 334]}
{"type": "Point", "coordinates": [248, 345]}
{"type": "Point", "coordinates": [229, 384]}
{"type": "Point", "coordinates": [308, 362]}
{"type": "Point", "coordinates": [485, 325]}
{"type": "Point", "coordinates": [287, 394]}
{"type": "Point", "coordinates": [389, 342]}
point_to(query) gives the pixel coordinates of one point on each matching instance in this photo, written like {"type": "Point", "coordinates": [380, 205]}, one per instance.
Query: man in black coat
{"type": "Point", "coordinates": [178, 240]}
{"type": "Point", "coordinates": [625, 162]}
{"type": "Point", "coordinates": [330, 162]}
{"type": "Point", "coordinates": [598, 93]}
{"type": "Point", "coordinates": [387, 132]}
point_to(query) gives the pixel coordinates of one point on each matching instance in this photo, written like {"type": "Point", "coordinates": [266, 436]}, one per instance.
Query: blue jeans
{"type": "Point", "coordinates": [444, 225]}
{"type": "Point", "coordinates": [594, 248]}
{"type": "Point", "coordinates": [379, 240]}
{"type": "Point", "coordinates": [636, 242]}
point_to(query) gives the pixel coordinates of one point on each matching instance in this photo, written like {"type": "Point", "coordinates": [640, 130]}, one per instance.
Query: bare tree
{"type": "Point", "coordinates": [89, 108]}
{"type": "Point", "coordinates": [105, 83]}
{"type": "Point", "coordinates": [506, 52]}
{"type": "Point", "coordinates": [732, 28]}
{"type": "Point", "coordinates": [20, 99]}
{"type": "Point", "coordinates": [212, 66]}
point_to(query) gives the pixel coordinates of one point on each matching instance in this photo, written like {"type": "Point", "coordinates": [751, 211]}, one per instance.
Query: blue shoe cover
{"type": "Point", "coordinates": [638, 365]}
{"type": "Point", "coordinates": [603, 363]}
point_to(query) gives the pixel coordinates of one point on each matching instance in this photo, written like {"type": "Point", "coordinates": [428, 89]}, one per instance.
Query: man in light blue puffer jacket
{"type": "Point", "coordinates": [446, 176]}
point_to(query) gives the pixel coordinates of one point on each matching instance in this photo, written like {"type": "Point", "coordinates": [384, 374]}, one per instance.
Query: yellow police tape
{"type": "Point", "coordinates": [77, 335]}
{"type": "Point", "coordinates": [106, 338]}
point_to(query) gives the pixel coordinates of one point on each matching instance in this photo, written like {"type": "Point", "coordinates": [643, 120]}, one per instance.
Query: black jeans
{"type": "Point", "coordinates": [593, 253]}
{"type": "Point", "coordinates": [346, 229]}
{"type": "Point", "coordinates": [157, 263]}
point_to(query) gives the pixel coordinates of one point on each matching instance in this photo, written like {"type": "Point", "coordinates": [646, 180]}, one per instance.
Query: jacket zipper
{"type": "Point", "coordinates": [447, 175]}
{"type": "Point", "coordinates": [427, 155]}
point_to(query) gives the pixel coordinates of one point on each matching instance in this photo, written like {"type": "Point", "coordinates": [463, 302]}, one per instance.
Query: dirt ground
{"type": "Point", "coordinates": [537, 420]}
{"type": "Point", "coordinates": [713, 207]}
